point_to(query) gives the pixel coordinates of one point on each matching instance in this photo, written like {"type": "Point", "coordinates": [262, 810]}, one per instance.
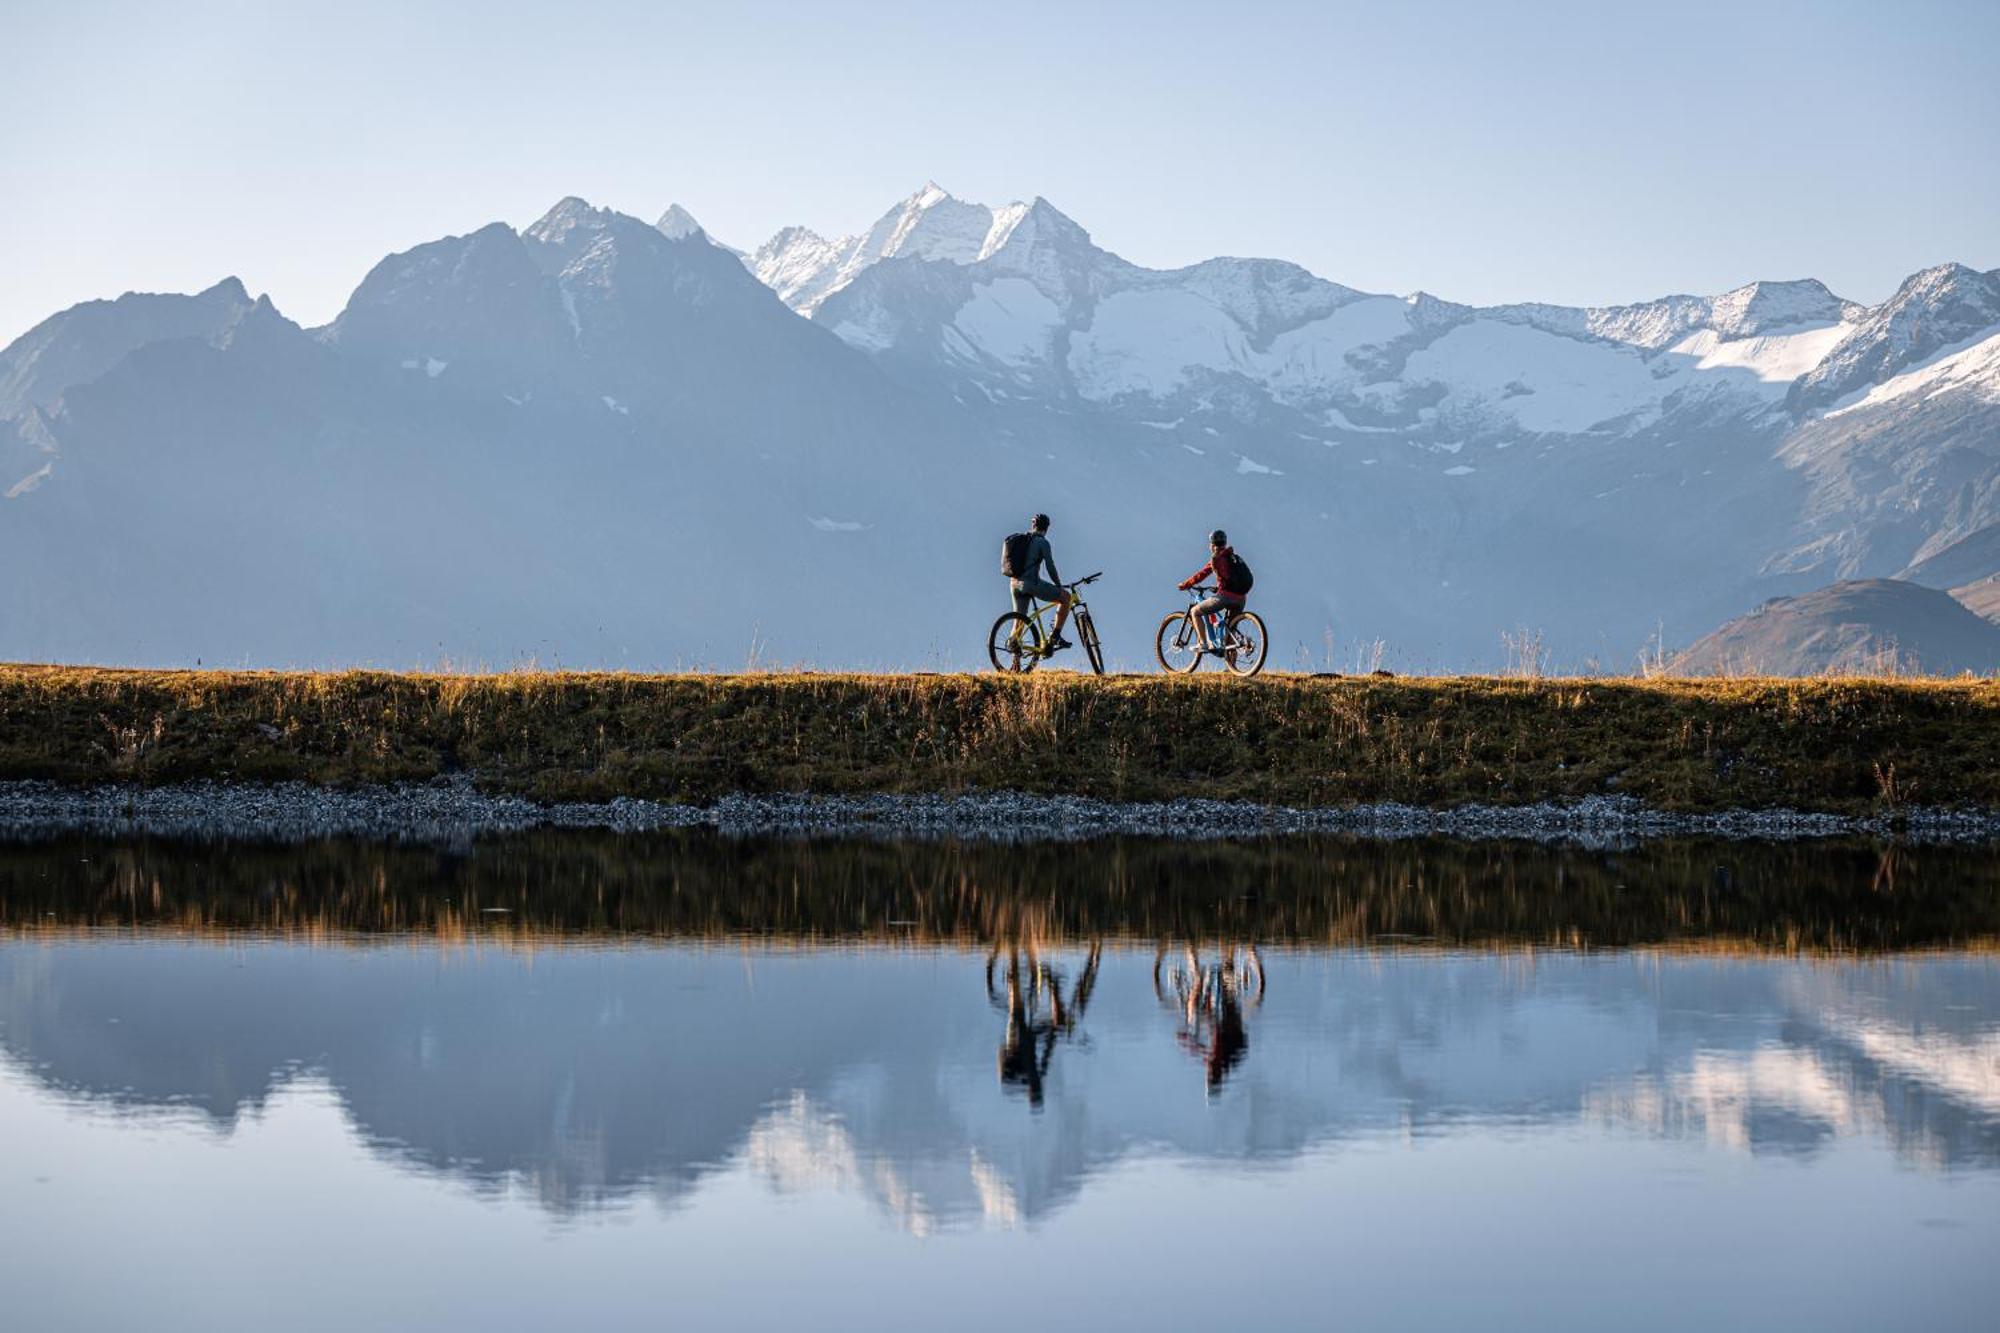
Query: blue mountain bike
{"type": "Point", "coordinates": [1239, 642]}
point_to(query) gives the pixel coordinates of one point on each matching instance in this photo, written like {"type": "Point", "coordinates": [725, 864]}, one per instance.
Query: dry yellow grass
{"type": "Point", "coordinates": [1847, 745]}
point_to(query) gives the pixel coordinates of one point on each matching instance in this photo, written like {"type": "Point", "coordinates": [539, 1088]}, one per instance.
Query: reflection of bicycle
{"type": "Point", "coordinates": [1017, 641]}
{"type": "Point", "coordinates": [1236, 973]}
{"type": "Point", "coordinates": [1209, 999]}
{"type": "Point", "coordinates": [1038, 1014]}
{"type": "Point", "coordinates": [1240, 642]}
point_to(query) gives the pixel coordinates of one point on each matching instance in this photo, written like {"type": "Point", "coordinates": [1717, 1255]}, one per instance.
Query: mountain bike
{"type": "Point", "coordinates": [1241, 643]}
{"type": "Point", "coordinates": [1016, 641]}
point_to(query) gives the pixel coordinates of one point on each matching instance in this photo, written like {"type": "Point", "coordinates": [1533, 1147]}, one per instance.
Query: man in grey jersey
{"type": "Point", "coordinates": [1029, 584]}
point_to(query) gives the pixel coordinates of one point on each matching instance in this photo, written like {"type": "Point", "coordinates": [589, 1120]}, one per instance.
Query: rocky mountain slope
{"type": "Point", "coordinates": [1863, 625]}
{"type": "Point", "coordinates": [597, 441]}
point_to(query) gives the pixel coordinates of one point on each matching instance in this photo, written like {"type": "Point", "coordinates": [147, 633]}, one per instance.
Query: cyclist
{"type": "Point", "coordinates": [1229, 594]}
{"type": "Point", "coordinates": [1028, 583]}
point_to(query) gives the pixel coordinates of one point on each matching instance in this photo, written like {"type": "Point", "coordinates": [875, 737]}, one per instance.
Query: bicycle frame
{"type": "Point", "coordinates": [1037, 609]}
{"type": "Point", "coordinates": [1217, 618]}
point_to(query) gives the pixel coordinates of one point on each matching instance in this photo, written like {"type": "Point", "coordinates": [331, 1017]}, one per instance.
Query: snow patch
{"type": "Point", "coordinates": [837, 525]}
{"type": "Point", "coordinates": [1773, 360]}
{"type": "Point", "coordinates": [1974, 363]}
{"type": "Point", "coordinates": [1246, 466]}
{"type": "Point", "coordinates": [1573, 385]}
{"type": "Point", "coordinates": [616, 406]}
{"type": "Point", "coordinates": [1460, 471]}
{"type": "Point", "coordinates": [1152, 340]}
{"type": "Point", "coordinates": [434, 367]}
{"type": "Point", "coordinates": [871, 329]}
{"type": "Point", "coordinates": [29, 482]}
{"type": "Point", "coordinates": [1009, 320]}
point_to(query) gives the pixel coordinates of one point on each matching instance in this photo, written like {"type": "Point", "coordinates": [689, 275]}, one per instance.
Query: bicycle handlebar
{"type": "Point", "coordinates": [1088, 578]}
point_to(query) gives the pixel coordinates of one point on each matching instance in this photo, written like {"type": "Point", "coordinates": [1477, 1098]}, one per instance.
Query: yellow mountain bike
{"type": "Point", "coordinates": [1016, 643]}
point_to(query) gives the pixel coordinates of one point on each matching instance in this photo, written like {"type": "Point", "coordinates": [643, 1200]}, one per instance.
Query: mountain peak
{"type": "Point", "coordinates": [230, 289]}
{"type": "Point", "coordinates": [1037, 225]}
{"type": "Point", "coordinates": [260, 325]}
{"type": "Point", "coordinates": [1760, 307]}
{"type": "Point", "coordinates": [568, 214]}
{"type": "Point", "coordinates": [678, 224]}
{"type": "Point", "coordinates": [1932, 309]}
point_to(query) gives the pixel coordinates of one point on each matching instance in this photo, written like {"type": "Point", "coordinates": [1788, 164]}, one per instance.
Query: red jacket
{"type": "Point", "coordinates": [1223, 565]}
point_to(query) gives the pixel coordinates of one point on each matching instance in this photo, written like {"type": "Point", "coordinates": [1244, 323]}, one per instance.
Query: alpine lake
{"type": "Point", "coordinates": [693, 1081]}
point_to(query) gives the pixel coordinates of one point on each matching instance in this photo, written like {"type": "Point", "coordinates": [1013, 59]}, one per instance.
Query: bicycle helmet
{"type": "Point", "coordinates": [1039, 523]}
{"type": "Point", "coordinates": [1218, 538]}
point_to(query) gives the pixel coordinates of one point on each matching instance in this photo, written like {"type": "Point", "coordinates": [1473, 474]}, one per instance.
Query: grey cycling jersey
{"type": "Point", "coordinates": [1038, 556]}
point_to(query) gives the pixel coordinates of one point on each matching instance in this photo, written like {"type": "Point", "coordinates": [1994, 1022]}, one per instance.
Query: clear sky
{"type": "Point", "coordinates": [1580, 153]}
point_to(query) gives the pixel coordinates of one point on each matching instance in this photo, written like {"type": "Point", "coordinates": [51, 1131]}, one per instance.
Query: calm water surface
{"type": "Point", "coordinates": [689, 1082]}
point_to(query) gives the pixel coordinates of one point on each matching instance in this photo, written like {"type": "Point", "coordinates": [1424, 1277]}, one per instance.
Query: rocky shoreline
{"type": "Point", "coordinates": [451, 810]}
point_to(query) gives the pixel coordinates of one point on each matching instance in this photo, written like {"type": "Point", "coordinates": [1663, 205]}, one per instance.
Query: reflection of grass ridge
{"type": "Point", "coordinates": [533, 940]}
{"type": "Point", "coordinates": [1846, 745]}
{"type": "Point", "coordinates": [548, 889]}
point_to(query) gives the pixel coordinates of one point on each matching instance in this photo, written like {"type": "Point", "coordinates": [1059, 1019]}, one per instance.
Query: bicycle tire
{"type": "Point", "coordinates": [1014, 645]}
{"type": "Point", "coordinates": [1258, 644]}
{"type": "Point", "coordinates": [1093, 647]}
{"type": "Point", "coordinates": [1167, 641]}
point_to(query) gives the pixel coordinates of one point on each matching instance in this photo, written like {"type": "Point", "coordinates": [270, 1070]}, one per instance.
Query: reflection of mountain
{"type": "Point", "coordinates": [1878, 1060]}
{"type": "Point", "coordinates": [590, 1076]}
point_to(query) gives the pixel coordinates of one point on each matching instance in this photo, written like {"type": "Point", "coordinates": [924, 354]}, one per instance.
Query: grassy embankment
{"type": "Point", "coordinates": [1825, 744]}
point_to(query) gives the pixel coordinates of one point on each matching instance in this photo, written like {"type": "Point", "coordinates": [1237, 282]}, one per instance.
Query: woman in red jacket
{"type": "Point", "coordinates": [1228, 596]}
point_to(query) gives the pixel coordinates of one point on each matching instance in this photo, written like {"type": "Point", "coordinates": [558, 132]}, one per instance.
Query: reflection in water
{"type": "Point", "coordinates": [590, 1076]}
{"type": "Point", "coordinates": [1037, 1014]}
{"type": "Point", "coordinates": [644, 1015]}
{"type": "Point", "coordinates": [1209, 999]}
{"type": "Point", "coordinates": [1814, 897]}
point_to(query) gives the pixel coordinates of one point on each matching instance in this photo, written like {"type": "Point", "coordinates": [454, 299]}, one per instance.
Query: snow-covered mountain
{"type": "Point", "coordinates": [1039, 308]}
{"type": "Point", "coordinates": [805, 268]}
{"type": "Point", "coordinates": [597, 441]}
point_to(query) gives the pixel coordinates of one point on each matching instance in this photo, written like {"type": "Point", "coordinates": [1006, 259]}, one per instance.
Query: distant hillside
{"type": "Point", "coordinates": [1982, 597]}
{"type": "Point", "coordinates": [1859, 625]}
{"type": "Point", "coordinates": [1967, 560]}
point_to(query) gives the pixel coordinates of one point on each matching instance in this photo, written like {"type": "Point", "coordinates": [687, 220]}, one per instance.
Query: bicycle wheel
{"type": "Point", "coordinates": [1246, 974]}
{"type": "Point", "coordinates": [1177, 647]}
{"type": "Point", "coordinates": [1247, 644]}
{"type": "Point", "coordinates": [1015, 645]}
{"type": "Point", "coordinates": [1086, 632]}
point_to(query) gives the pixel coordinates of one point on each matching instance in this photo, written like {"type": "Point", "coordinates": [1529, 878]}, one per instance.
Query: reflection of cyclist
{"type": "Point", "coordinates": [1029, 584]}
{"type": "Point", "coordinates": [1225, 1043]}
{"type": "Point", "coordinates": [1230, 590]}
{"type": "Point", "coordinates": [1029, 1041]}
{"type": "Point", "coordinates": [1209, 1002]}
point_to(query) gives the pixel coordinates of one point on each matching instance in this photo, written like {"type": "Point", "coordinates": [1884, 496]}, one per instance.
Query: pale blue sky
{"type": "Point", "coordinates": [1583, 153]}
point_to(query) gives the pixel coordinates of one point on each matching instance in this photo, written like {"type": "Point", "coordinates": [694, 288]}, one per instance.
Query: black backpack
{"type": "Point", "coordinates": [1244, 579]}
{"type": "Point", "coordinates": [1014, 554]}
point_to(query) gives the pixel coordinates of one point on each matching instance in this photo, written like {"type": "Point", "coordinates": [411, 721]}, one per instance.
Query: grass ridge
{"type": "Point", "coordinates": [1838, 745]}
